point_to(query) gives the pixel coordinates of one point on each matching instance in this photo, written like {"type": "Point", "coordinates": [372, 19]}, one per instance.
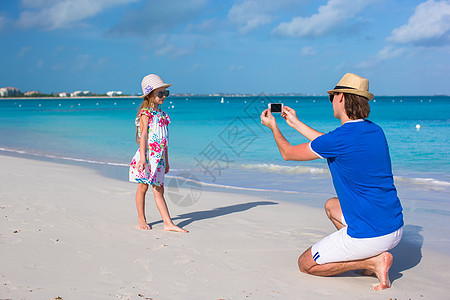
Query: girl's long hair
{"type": "Point", "coordinates": [148, 102]}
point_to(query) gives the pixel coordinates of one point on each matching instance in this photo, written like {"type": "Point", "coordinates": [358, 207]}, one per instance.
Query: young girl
{"type": "Point", "coordinates": [150, 163]}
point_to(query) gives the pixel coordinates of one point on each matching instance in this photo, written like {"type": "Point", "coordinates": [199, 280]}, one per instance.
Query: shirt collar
{"type": "Point", "coordinates": [354, 121]}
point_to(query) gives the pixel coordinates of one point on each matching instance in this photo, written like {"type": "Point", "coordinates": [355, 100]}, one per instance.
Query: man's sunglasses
{"type": "Point", "coordinates": [332, 96]}
{"type": "Point", "coordinates": [161, 94]}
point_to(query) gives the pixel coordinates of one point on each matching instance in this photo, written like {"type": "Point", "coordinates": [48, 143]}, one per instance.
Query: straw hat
{"type": "Point", "coordinates": [353, 84]}
{"type": "Point", "coordinates": [152, 82]}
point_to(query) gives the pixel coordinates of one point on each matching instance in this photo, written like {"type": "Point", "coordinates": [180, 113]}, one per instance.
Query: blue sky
{"type": "Point", "coordinates": [206, 46]}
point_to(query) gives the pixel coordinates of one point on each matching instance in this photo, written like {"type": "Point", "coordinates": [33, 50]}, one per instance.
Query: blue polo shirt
{"type": "Point", "coordinates": [360, 165]}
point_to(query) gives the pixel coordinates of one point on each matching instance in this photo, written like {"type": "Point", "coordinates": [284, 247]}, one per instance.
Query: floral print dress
{"type": "Point", "coordinates": [157, 142]}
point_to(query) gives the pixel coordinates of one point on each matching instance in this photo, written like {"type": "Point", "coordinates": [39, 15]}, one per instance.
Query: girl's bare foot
{"type": "Point", "coordinates": [383, 263]}
{"type": "Point", "coordinates": [173, 227]}
{"type": "Point", "coordinates": [143, 225]}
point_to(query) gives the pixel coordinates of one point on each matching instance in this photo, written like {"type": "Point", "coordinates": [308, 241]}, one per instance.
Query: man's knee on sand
{"type": "Point", "coordinates": [333, 208]}
{"type": "Point", "coordinates": [306, 261]}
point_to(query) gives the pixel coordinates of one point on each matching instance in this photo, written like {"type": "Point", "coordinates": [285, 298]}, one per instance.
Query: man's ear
{"type": "Point", "coordinates": [341, 97]}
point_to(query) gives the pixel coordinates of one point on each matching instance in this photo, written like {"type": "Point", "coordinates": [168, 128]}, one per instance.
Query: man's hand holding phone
{"type": "Point", "coordinates": [287, 113]}
{"type": "Point", "coordinates": [267, 119]}
{"type": "Point", "coordinates": [290, 116]}
{"type": "Point", "coordinates": [276, 107]}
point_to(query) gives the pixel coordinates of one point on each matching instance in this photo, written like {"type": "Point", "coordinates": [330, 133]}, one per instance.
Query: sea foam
{"type": "Point", "coordinates": [274, 168]}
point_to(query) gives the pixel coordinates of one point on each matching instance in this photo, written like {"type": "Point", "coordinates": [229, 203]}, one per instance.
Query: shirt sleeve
{"type": "Point", "coordinates": [327, 145]}
{"type": "Point", "coordinates": [168, 119]}
{"type": "Point", "coordinates": [144, 112]}
{"type": "Point", "coordinates": [312, 150]}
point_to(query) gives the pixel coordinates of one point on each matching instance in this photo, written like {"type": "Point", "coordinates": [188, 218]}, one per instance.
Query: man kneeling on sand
{"type": "Point", "coordinates": [366, 212]}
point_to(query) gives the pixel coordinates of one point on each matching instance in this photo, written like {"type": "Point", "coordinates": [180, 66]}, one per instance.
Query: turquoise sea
{"type": "Point", "coordinates": [220, 142]}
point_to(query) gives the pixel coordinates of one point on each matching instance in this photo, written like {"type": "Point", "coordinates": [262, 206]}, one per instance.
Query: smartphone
{"type": "Point", "coordinates": [276, 107]}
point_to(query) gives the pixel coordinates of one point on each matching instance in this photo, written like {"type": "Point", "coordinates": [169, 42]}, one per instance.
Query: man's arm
{"type": "Point", "coordinates": [300, 152]}
{"type": "Point", "coordinates": [291, 119]}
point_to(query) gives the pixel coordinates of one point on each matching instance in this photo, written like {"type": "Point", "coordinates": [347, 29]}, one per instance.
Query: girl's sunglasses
{"type": "Point", "coordinates": [161, 94]}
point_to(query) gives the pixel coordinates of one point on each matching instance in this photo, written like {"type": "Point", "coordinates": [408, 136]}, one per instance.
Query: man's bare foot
{"type": "Point", "coordinates": [143, 225]}
{"type": "Point", "coordinates": [383, 263]}
{"type": "Point", "coordinates": [173, 227]}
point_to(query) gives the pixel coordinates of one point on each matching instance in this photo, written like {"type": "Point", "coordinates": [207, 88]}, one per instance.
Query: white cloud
{"type": "Point", "coordinates": [388, 52]}
{"type": "Point", "coordinates": [174, 51]}
{"type": "Point", "coordinates": [206, 26]}
{"type": "Point", "coordinates": [23, 51]}
{"type": "Point", "coordinates": [308, 51]}
{"type": "Point", "coordinates": [173, 46]}
{"type": "Point", "coordinates": [248, 15]}
{"type": "Point", "coordinates": [82, 62]}
{"type": "Point", "coordinates": [235, 68]}
{"type": "Point", "coordinates": [158, 17]}
{"type": "Point", "coordinates": [166, 27]}
{"type": "Point", "coordinates": [3, 21]}
{"type": "Point", "coordinates": [330, 17]}
{"type": "Point", "coordinates": [195, 67]}
{"type": "Point", "coordinates": [56, 14]}
{"type": "Point", "coordinates": [40, 63]}
{"type": "Point", "coordinates": [59, 67]}
{"type": "Point", "coordinates": [430, 24]}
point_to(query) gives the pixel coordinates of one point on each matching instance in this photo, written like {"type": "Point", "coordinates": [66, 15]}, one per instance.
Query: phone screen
{"type": "Point", "coordinates": [276, 107]}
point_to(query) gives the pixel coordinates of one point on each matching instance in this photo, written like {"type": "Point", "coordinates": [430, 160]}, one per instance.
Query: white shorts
{"type": "Point", "coordinates": [339, 246]}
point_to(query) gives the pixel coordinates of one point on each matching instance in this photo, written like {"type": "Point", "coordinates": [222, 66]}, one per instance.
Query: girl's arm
{"type": "Point", "coordinates": [167, 160]}
{"type": "Point", "coordinates": [143, 125]}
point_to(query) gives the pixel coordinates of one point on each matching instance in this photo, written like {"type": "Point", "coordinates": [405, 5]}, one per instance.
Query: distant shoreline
{"type": "Point", "coordinates": [65, 98]}
{"type": "Point", "coordinates": [199, 95]}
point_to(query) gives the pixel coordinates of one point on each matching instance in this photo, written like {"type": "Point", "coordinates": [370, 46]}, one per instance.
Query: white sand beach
{"type": "Point", "coordinates": [66, 232]}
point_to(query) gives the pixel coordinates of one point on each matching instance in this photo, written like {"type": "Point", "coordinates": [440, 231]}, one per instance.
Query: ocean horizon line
{"type": "Point", "coordinates": [183, 95]}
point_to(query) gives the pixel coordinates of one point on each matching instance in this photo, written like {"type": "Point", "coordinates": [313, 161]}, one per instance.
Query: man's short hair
{"type": "Point", "coordinates": [356, 107]}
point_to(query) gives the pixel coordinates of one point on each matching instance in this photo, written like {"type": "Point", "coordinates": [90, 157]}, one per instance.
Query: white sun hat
{"type": "Point", "coordinates": [152, 82]}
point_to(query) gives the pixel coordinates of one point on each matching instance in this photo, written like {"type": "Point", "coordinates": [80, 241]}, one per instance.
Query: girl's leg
{"type": "Point", "coordinates": [158, 192]}
{"type": "Point", "coordinates": [140, 205]}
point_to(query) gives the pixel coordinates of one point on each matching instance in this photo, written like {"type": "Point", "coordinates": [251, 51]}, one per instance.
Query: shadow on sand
{"type": "Point", "coordinates": [408, 252]}
{"type": "Point", "coordinates": [216, 212]}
